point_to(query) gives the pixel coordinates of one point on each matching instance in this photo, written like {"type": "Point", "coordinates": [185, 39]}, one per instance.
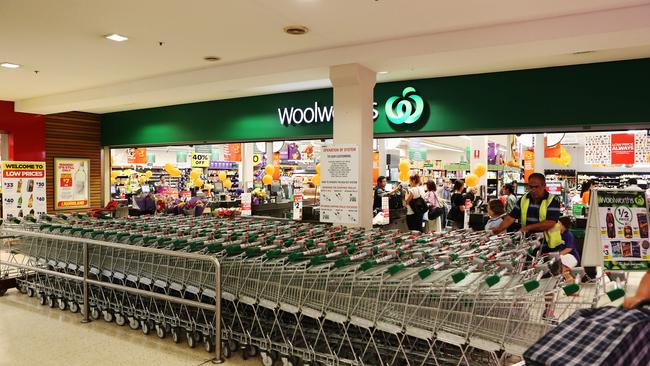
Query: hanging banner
{"type": "Point", "coordinates": [23, 189]}
{"type": "Point", "coordinates": [200, 160]}
{"type": "Point", "coordinates": [339, 184]}
{"type": "Point", "coordinates": [232, 152]}
{"type": "Point", "coordinates": [553, 148]}
{"type": "Point", "coordinates": [136, 156]}
{"type": "Point", "coordinates": [619, 230]}
{"type": "Point", "coordinates": [246, 208]}
{"type": "Point", "coordinates": [71, 183]}
{"type": "Point", "coordinates": [622, 148]}
{"type": "Point", "coordinates": [375, 167]}
{"type": "Point", "coordinates": [529, 164]}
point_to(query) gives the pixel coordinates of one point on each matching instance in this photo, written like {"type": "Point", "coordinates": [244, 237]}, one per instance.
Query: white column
{"type": "Point", "coordinates": [105, 175]}
{"type": "Point", "coordinates": [246, 173]}
{"type": "Point", "coordinates": [478, 154]}
{"type": "Point", "coordinates": [353, 97]}
{"type": "Point", "coordinates": [381, 148]}
{"type": "Point", "coordinates": [539, 153]}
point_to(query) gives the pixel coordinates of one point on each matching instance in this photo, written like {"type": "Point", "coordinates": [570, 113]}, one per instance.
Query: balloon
{"type": "Point", "coordinates": [479, 169]}
{"type": "Point", "coordinates": [471, 180]}
{"type": "Point", "coordinates": [318, 168]}
{"type": "Point", "coordinates": [143, 179]}
{"type": "Point", "coordinates": [404, 177]}
{"type": "Point", "coordinates": [113, 181]}
{"type": "Point", "coordinates": [267, 179]}
{"type": "Point", "coordinates": [148, 173]}
{"type": "Point", "coordinates": [194, 174]}
{"type": "Point", "coordinates": [198, 182]}
{"type": "Point", "coordinates": [227, 183]}
{"type": "Point", "coordinates": [222, 176]}
{"type": "Point", "coordinates": [316, 179]}
{"type": "Point", "coordinates": [404, 166]}
{"type": "Point", "coordinates": [269, 170]}
{"type": "Point", "coordinates": [175, 172]}
{"type": "Point", "coordinates": [169, 168]}
{"type": "Point", "coordinates": [115, 173]}
{"type": "Point", "coordinates": [208, 186]}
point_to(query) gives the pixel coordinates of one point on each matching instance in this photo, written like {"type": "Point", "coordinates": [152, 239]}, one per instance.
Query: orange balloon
{"type": "Point", "coordinates": [480, 169]}
{"type": "Point", "coordinates": [269, 170]}
{"type": "Point", "coordinates": [471, 180]}
{"type": "Point", "coordinates": [316, 179]}
{"type": "Point", "coordinates": [267, 179]}
{"type": "Point", "coordinates": [198, 182]}
{"type": "Point", "coordinates": [318, 168]}
{"type": "Point", "coordinates": [404, 166]}
{"type": "Point", "coordinates": [227, 183]}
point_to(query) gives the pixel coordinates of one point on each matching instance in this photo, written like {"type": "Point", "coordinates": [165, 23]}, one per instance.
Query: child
{"type": "Point", "coordinates": [569, 255]}
{"type": "Point", "coordinates": [496, 210]}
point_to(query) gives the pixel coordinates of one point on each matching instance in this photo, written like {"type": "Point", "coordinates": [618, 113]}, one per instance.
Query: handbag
{"type": "Point", "coordinates": [419, 206]}
{"type": "Point", "coordinates": [435, 212]}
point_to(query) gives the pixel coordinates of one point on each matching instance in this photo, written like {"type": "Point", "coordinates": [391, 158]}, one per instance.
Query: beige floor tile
{"type": "Point", "coordinates": [31, 334]}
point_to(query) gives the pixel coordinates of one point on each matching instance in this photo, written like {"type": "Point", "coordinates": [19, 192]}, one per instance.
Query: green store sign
{"type": "Point", "coordinates": [508, 102]}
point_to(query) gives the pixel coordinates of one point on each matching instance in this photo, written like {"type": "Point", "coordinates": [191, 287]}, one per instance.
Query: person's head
{"type": "Point", "coordinates": [471, 190]}
{"type": "Point", "coordinates": [586, 186]}
{"type": "Point", "coordinates": [163, 179]}
{"type": "Point", "coordinates": [458, 185]}
{"type": "Point", "coordinates": [565, 223]}
{"type": "Point", "coordinates": [508, 189]}
{"type": "Point", "coordinates": [414, 180]}
{"type": "Point", "coordinates": [381, 181]}
{"type": "Point", "coordinates": [537, 185]}
{"type": "Point", "coordinates": [431, 186]}
{"type": "Point", "coordinates": [496, 208]}
{"type": "Point", "coordinates": [447, 183]}
{"type": "Point", "coordinates": [631, 182]}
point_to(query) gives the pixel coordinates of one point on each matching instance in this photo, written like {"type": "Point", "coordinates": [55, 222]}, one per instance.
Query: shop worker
{"type": "Point", "coordinates": [537, 211]}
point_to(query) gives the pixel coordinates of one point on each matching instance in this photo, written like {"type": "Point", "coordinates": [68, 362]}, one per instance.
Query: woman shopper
{"type": "Point", "coordinates": [415, 200]}
{"type": "Point", "coordinates": [585, 191]}
{"type": "Point", "coordinates": [457, 212]}
{"type": "Point", "coordinates": [433, 202]}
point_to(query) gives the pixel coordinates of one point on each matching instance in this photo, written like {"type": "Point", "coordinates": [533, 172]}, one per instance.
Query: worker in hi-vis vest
{"type": "Point", "coordinates": [537, 211]}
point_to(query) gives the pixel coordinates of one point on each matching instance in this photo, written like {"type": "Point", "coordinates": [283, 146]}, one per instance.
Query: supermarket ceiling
{"type": "Point", "coordinates": [78, 69]}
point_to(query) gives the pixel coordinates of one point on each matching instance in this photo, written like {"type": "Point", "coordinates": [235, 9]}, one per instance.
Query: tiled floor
{"type": "Point", "coordinates": [31, 334]}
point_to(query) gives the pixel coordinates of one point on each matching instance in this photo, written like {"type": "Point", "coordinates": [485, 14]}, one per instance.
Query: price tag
{"type": "Point", "coordinates": [246, 209]}
{"type": "Point", "coordinates": [297, 205]}
{"type": "Point", "coordinates": [385, 210]}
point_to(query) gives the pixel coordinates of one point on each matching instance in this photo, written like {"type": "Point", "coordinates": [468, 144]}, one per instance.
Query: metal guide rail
{"type": "Point", "coordinates": [296, 291]}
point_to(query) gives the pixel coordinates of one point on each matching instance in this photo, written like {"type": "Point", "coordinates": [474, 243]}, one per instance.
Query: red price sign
{"type": "Point", "coordinates": [65, 180]}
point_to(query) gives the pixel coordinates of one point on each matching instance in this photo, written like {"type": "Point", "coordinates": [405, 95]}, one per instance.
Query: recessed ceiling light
{"type": "Point", "coordinates": [9, 65]}
{"type": "Point", "coordinates": [296, 30]}
{"type": "Point", "coordinates": [382, 72]}
{"type": "Point", "coordinates": [116, 37]}
{"type": "Point", "coordinates": [212, 58]}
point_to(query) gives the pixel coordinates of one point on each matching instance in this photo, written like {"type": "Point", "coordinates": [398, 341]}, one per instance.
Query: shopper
{"type": "Point", "coordinates": [380, 191]}
{"type": "Point", "coordinates": [585, 191]}
{"type": "Point", "coordinates": [457, 211]}
{"type": "Point", "coordinates": [495, 210]}
{"type": "Point", "coordinates": [642, 292]}
{"type": "Point", "coordinates": [632, 184]}
{"type": "Point", "coordinates": [569, 256]}
{"type": "Point", "coordinates": [434, 204]}
{"type": "Point", "coordinates": [415, 199]}
{"type": "Point", "coordinates": [471, 194]}
{"type": "Point", "coordinates": [537, 211]}
{"type": "Point", "coordinates": [511, 199]}
{"type": "Point", "coordinates": [514, 187]}
{"type": "Point", "coordinates": [445, 199]}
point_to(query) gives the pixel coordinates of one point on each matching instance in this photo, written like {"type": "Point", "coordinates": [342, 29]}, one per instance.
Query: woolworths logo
{"type": "Point", "coordinates": [404, 109]}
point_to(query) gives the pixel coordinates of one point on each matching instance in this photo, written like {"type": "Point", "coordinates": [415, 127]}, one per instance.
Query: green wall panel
{"type": "Point", "coordinates": [612, 93]}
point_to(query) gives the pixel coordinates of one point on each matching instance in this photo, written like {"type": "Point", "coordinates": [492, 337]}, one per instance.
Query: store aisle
{"type": "Point", "coordinates": [31, 334]}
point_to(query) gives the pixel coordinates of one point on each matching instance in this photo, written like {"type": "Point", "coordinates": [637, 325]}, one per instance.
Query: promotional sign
{"type": "Point", "coordinates": [200, 160]}
{"type": "Point", "coordinates": [529, 164]}
{"type": "Point", "coordinates": [186, 194]}
{"type": "Point", "coordinates": [617, 230]}
{"type": "Point", "coordinates": [136, 156]}
{"type": "Point", "coordinates": [23, 189]}
{"type": "Point", "coordinates": [339, 184]}
{"type": "Point", "coordinates": [167, 191]}
{"type": "Point", "coordinates": [297, 198]}
{"type": "Point", "coordinates": [246, 209]}
{"type": "Point", "coordinates": [622, 148]}
{"type": "Point", "coordinates": [232, 152]}
{"type": "Point", "coordinates": [552, 146]}
{"type": "Point", "coordinates": [71, 183]}
{"type": "Point", "coordinates": [385, 209]}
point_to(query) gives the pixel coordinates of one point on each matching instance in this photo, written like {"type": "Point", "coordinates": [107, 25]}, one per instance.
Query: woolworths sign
{"type": "Point", "coordinates": [406, 108]}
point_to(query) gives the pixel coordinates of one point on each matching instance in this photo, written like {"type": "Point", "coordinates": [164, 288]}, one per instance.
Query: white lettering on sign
{"type": "Point", "coordinates": [315, 114]}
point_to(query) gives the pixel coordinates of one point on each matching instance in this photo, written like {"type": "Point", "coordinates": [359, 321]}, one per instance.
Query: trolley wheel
{"type": "Point", "coordinates": [160, 331]}
{"type": "Point", "coordinates": [290, 361]}
{"type": "Point", "coordinates": [146, 327]}
{"type": "Point", "coordinates": [252, 351]}
{"type": "Point", "coordinates": [120, 319]}
{"type": "Point", "coordinates": [233, 345]}
{"type": "Point", "coordinates": [30, 292]}
{"type": "Point", "coordinates": [133, 323]}
{"type": "Point", "coordinates": [108, 316]}
{"type": "Point", "coordinates": [95, 313]}
{"type": "Point", "coordinates": [42, 298]}
{"type": "Point", "coordinates": [73, 306]}
{"type": "Point", "coordinates": [266, 359]}
{"type": "Point", "coordinates": [191, 340]}
{"type": "Point", "coordinates": [22, 288]}
{"type": "Point", "coordinates": [208, 345]}
{"type": "Point", "coordinates": [176, 335]}
{"type": "Point", "coordinates": [225, 350]}
{"type": "Point", "coordinates": [3, 291]}
{"type": "Point", "coordinates": [50, 301]}
{"type": "Point", "coordinates": [62, 304]}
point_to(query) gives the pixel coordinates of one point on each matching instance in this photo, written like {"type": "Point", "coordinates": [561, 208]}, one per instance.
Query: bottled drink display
{"type": "Point", "coordinates": [19, 186]}
{"type": "Point", "coordinates": [80, 182]}
{"type": "Point", "coordinates": [30, 201]}
{"type": "Point", "coordinates": [643, 224]}
{"type": "Point", "coordinates": [20, 202]}
{"type": "Point", "coordinates": [611, 228]}
{"type": "Point", "coordinates": [627, 231]}
{"type": "Point", "coordinates": [30, 185]}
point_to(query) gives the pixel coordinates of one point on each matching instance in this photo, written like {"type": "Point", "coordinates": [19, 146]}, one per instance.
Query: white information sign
{"type": "Point", "coordinates": [339, 184]}
{"type": "Point", "coordinates": [23, 189]}
{"type": "Point", "coordinates": [297, 199]}
{"type": "Point", "coordinates": [246, 209]}
{"type": "Point", "coordinates": [385, 209]}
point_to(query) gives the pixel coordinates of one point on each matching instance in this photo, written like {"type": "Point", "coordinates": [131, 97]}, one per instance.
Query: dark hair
{"type": "Point", "coordinates": [497, 207]}
{"type": "Point", "coordinates": [586, 186]}
{"type": "Point", "coordinates": [415, 179]}
{"type": "Point", "coordinates": [431, 186]}
{"type": "Point", "coordinates": [458, 184]}
{"type": "Point", "coordinates": [380, 178]}
{"type": "Point", "coordinates": [509, 187]}
{"type": "Point", "coordinates": [631, 181]}
{"type": "Point", "coordinates": [538, 176]}
{"type": "Point", "coordinates": [566, 221]}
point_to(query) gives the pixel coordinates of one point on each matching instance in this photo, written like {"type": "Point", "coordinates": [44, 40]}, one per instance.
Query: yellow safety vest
{"type": "Point", "coordinates": [553, 236]}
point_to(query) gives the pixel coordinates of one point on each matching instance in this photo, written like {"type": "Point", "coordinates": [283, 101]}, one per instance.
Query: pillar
{"type": "Point", "coordinates": [246, 173]}
{"type": "Point", "coordinates": [539, 153]}
{"type": "Point", "coordinates": [353, 97]}
{"type": "Point", "coordinates": [381, 149]}
{"type": "Point", "coordinates": [105, 175]}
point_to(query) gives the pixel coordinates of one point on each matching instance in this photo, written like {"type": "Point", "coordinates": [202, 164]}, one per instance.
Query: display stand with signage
{"type": "Point", "coordinates": [617, 231]}
{"type": "Point", "coordinates": [71, 183]}
{"type": "Point", "coordinates": [297, 199]}
{"type": "Point", "coordinates": [23, 189]}
{"type": "Point", "coordinates": [246, 201]}
{"type": "Point", "coordinates": [339, 184]}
